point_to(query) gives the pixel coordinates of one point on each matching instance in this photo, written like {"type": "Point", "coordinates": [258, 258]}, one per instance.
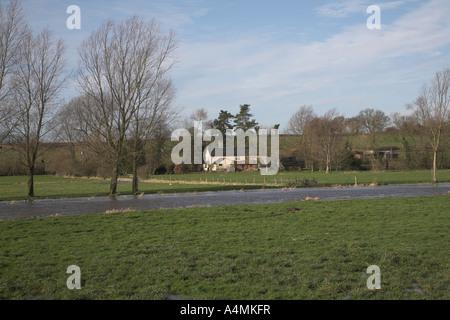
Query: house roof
{"type": "Point", "coordinates": [377, 149]}
{"type": "Point", "coordinates": [388, 148]}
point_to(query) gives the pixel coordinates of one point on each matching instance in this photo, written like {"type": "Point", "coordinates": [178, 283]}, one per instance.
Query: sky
{"type": "Point", "coordinates": [279, 55]}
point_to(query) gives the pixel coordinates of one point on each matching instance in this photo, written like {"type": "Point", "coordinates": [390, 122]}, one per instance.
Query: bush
{"type": "Point", "coordinates": [10, 168]}
{"type": "Point", "coordinates": [179, 169]}
{"type": "Point", "coordinates": [302, 183]}
{"type": "Point", "coordinates": [160, 170]}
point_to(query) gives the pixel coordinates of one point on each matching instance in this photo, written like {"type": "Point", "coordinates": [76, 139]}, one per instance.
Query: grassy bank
{"type": "Point", "coordinates": [334, 178]}
{"type": "Point", "coordinates": [297, 250]}
{"type": "Point", "coordinates": [15, 188]}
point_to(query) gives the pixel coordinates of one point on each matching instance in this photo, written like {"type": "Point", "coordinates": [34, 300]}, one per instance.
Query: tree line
{"type": "Point", "coordinates": [424, 130]}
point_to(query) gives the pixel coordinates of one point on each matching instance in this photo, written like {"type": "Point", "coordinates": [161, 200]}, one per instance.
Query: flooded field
{"type": "Point", "coordinates": [21, 209]}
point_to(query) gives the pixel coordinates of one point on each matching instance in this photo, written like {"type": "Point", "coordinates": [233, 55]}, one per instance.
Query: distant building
{"type": "Point", "coordinates": [290, 163]}
{"type": "Point", "coordinates": [389, 152]}
{"type": "Point", "coordinates": [229, 159]}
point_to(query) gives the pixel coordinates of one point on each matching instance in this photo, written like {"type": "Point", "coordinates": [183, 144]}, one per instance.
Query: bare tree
{"type": "Point", "coordinates": [198, 115]}
{"type": "Point", "coordinates": [301, 124]}
{"type": "Point", "coordinates": [432, 109]}
{"type": "Point", "coordinates": [300, 120]}
{"type": "Point", "coordinates": [373, 122]}
{"type": "Point", "coordinates": [37, 83]}
{"type": "Point", "coordinates": [68, 125]}
{"type": "Point", "coordinates": [414, 142]}
{"type": "Point", "coordinates": [148, 122]}
{"type": "Point", "coordinates": [353, 126]}
{"type": "Point", "coordinates": [82, 121]}
{"type": "Point", "coordinates": [13, 30]}
{"type": "Point", "coordinates": [120, 65]}
{"type": "Point", "coordinates": [327, 131]}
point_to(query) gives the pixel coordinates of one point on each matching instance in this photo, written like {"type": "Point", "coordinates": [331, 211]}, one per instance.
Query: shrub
{"type": "Point", "coordinates": [179, 169]}
{"type": "Point", "coordinates": [302, 183]}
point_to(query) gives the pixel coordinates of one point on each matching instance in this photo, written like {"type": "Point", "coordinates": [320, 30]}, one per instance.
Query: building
{"type": "Point", "coordinates": [290, 163]}
{"type": "Point", "coordinates": [388, 152]}
{"type": "Point", "coordinates": [226, 159]}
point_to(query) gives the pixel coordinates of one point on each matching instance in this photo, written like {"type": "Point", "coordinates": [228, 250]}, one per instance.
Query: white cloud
{"type": "Point", "coordinates": [169, 14]}
{"type": "Point", "coordinates": [276, 77]}
{"type": "Point", "coordinates": [354, 64]}
{"type": "Point", "coordinates": [345, 8]}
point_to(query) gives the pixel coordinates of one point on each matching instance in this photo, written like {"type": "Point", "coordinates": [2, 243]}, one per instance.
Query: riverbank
{"type": "Point", "coordinates": [86, 205]}
{"type": "Point", "coordinates": [51, 187]}
{"type": "Point", "coordinates": [301, 250]}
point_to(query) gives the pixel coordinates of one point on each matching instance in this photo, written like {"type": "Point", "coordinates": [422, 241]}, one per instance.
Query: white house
{"type": "Point", "coordinates": [228, 157]}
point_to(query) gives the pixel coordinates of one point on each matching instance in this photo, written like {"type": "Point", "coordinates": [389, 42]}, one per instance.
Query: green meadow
{"type": "Point", "coordinates": [15, 187]}
{"type": "Point", "coordinates": [297, 250]}
{"type": "Point", "coordinates": [322, 179]}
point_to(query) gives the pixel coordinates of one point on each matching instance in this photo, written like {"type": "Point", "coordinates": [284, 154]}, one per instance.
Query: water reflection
{"type": "Point", "coordinates": [16, 209]}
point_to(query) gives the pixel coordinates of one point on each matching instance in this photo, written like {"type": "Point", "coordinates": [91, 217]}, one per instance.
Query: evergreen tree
{"type": "Point", "coordinates": [243, 119]}
{"type": "Point", "coordinates": [223, 122]}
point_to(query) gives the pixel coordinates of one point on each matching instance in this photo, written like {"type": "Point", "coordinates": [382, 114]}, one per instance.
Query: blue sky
{"type": "Point", "coordinates": [279, 55]}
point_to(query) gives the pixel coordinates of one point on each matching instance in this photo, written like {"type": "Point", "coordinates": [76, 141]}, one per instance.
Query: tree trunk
{"type": "Point", "coordinates": [72, 151]}
{"type": "Point", "coordinates": [135, 182]}
{"type": "Point", "coordinates": [113, 187]}
{"type": "Point", "coordinates": [30, 183]}
{"type": "Point", "coordinates": [435, 166]}
{"type": "Point", "coordinates": [328, 164]}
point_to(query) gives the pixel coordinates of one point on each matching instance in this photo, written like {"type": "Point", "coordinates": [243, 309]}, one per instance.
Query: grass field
{"type": "Point", "coordinates": [334, 178]}
{"type": "Point", "coordinates": [298, 250]}
{"type": "Point", "coordinates": [15, 188]}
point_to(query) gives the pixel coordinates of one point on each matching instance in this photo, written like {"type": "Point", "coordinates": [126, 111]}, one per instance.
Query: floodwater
{"type": "Point", "coordinates": [73, 206]}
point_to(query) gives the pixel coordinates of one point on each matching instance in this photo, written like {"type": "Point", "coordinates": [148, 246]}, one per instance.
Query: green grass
{"type": "Point", "coordinates": [15, 188]}
{"type": "Point", "coordinates": [297, 250]}
{"type": "Point", "coordinates": [334, 178]}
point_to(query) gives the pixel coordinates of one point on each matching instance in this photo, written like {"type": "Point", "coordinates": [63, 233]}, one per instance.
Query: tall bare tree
{"type": "Point", "coordinates": [148, 122]}
{"type": "Point", "coordinates": [120, 65]}
{"type": "Point", "coordinates": [432, 109]}
{"type": "Point", "coordinates": [301, 124]}
{"type": "Point", "coordinates": [69, 125]}
{"type": "Point", "coordinates": [327, 130]}
{"type": "Point", "coordinates": [414, 142]}
{"type": "Point", "coordinates": [37, 83]}
{"type": "Point", "coordinates": [81, 122]}
{"type": "Point", "coordinates": [13, 30]}
{"type": "Point", "coordinates": [373, 122]}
